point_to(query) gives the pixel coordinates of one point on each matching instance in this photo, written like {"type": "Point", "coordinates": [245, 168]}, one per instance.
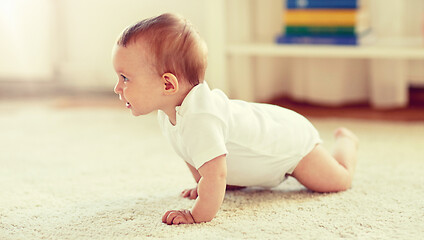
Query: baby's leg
{"type": "Point", "coordinates": [322, 172]}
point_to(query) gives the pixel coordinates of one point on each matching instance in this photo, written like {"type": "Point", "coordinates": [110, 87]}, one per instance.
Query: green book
{"type": "Point", "coordinates": [318, 30]}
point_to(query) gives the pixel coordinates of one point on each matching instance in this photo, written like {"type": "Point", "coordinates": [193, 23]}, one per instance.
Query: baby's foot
{"type": "Point", "coordinates": [346, 133]}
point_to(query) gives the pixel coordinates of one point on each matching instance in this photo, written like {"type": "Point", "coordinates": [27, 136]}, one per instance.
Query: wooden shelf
{"type": "Point", "coordinates": [325, 51]}
{"type": "Point", "coordinates": [385, 60]}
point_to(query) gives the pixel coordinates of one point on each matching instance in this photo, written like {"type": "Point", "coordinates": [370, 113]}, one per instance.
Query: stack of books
{"type": "Point", "coordinates": [336, 22]}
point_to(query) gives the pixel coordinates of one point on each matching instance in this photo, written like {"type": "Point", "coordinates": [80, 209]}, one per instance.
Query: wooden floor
{"type": "Point", "coordinates": [413, 112]}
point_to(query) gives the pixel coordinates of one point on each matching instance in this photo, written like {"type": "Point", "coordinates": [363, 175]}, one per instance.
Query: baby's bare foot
{"type": "Point", "coordinates": [346, 133]}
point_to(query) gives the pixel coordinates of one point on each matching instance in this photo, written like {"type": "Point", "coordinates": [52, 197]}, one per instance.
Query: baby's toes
{"type": "Point", "coordinates": [344, 132]}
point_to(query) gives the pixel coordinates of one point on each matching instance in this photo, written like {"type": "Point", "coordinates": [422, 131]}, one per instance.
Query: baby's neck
{"type": "Point", "coordinates": [176, 102]}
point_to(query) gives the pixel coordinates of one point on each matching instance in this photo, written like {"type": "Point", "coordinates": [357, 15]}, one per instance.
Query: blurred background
{"type": "Point", "coordinates": [62, 49]}
{"type": "Point", "coordinates": [65, 45]}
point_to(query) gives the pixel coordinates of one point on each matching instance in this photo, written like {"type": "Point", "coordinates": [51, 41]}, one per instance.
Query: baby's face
{"type": "Point", "coordinates": [138, 85]}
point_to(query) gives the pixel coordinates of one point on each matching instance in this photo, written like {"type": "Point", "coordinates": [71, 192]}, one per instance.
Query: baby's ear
{"type": "Point", "coordinates": [170, 83]}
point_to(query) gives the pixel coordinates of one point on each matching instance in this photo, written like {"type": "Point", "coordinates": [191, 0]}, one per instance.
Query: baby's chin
{"type": "Point", "coordinates": [136, 113]}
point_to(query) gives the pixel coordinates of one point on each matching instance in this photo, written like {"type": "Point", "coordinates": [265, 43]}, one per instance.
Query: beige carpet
{"type": "Point", "coordinates": [99, 173]}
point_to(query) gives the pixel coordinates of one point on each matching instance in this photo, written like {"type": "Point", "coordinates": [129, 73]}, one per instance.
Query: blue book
{"type": "Point", "coordinates": [314, 4]}
{"type": "Point", "coordinates": [326, 40]}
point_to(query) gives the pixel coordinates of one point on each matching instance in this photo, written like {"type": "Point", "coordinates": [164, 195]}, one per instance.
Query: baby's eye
{"type": "Point", "coordinates": [125, 79]}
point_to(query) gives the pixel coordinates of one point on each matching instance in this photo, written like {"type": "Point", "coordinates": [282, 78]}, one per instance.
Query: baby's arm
{"type": "Point", "coordinates": [194, 172]}
{"type": "Point", "coordinates": [211, 191]}
{"type": "Point", "coordinates": [191, 193]}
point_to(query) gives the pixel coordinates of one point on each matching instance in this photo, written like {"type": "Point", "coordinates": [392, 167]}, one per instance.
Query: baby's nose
{"type": "Point", "coordinates": [117, 89]}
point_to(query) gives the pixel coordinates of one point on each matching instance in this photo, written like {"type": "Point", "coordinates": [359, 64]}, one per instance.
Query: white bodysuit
{"type": "Point", "coordinates": [262, 142]}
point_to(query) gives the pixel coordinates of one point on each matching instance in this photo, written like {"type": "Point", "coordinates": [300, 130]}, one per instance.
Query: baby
{"type": "Point", "coordinates": [161, 65]}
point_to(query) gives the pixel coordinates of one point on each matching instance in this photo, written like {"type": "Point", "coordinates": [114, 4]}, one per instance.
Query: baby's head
{"type": "Point", "coordinates": [172, 46]}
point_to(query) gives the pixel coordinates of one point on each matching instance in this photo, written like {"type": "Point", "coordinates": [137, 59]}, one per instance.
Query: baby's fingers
{"type": "Point", "coordinates": [165, 216]}
{"type": "Point", "coordinates": [189, 193]}
{"type": "Point", "coordinates": [185, 193]}
{"type": "Point", "coordinates": [170, 216]}
{"type": "Point", "coordinates": [178, 220]}
{"type": "Point", "coordinates": [193, 194]}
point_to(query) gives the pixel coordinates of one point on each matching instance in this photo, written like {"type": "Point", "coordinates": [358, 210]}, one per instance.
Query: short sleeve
{"type": "Point", "coordinates": [204, 136]}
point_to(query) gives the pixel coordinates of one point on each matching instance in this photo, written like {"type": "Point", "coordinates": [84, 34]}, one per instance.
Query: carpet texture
{"type": "Point", "coordinates": [100, 173]}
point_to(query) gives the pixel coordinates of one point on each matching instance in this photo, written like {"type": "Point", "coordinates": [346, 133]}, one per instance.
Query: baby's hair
{"type": "Point", "coordinates": [174, 45]}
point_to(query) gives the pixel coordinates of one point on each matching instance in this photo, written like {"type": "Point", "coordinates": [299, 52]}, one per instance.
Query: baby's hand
{"type": "Point", "coordinates": [178, 217]}
{"type": "Point", "coordinates": [189, 193]}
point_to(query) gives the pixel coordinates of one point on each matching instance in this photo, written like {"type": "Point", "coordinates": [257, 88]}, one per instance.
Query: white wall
{"type": "Point", "coordinates": [70, 41]}
{"type": "Point", "coordinates": [25, 42]}
{"type": "Point", "coordinates": [90, 29]}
